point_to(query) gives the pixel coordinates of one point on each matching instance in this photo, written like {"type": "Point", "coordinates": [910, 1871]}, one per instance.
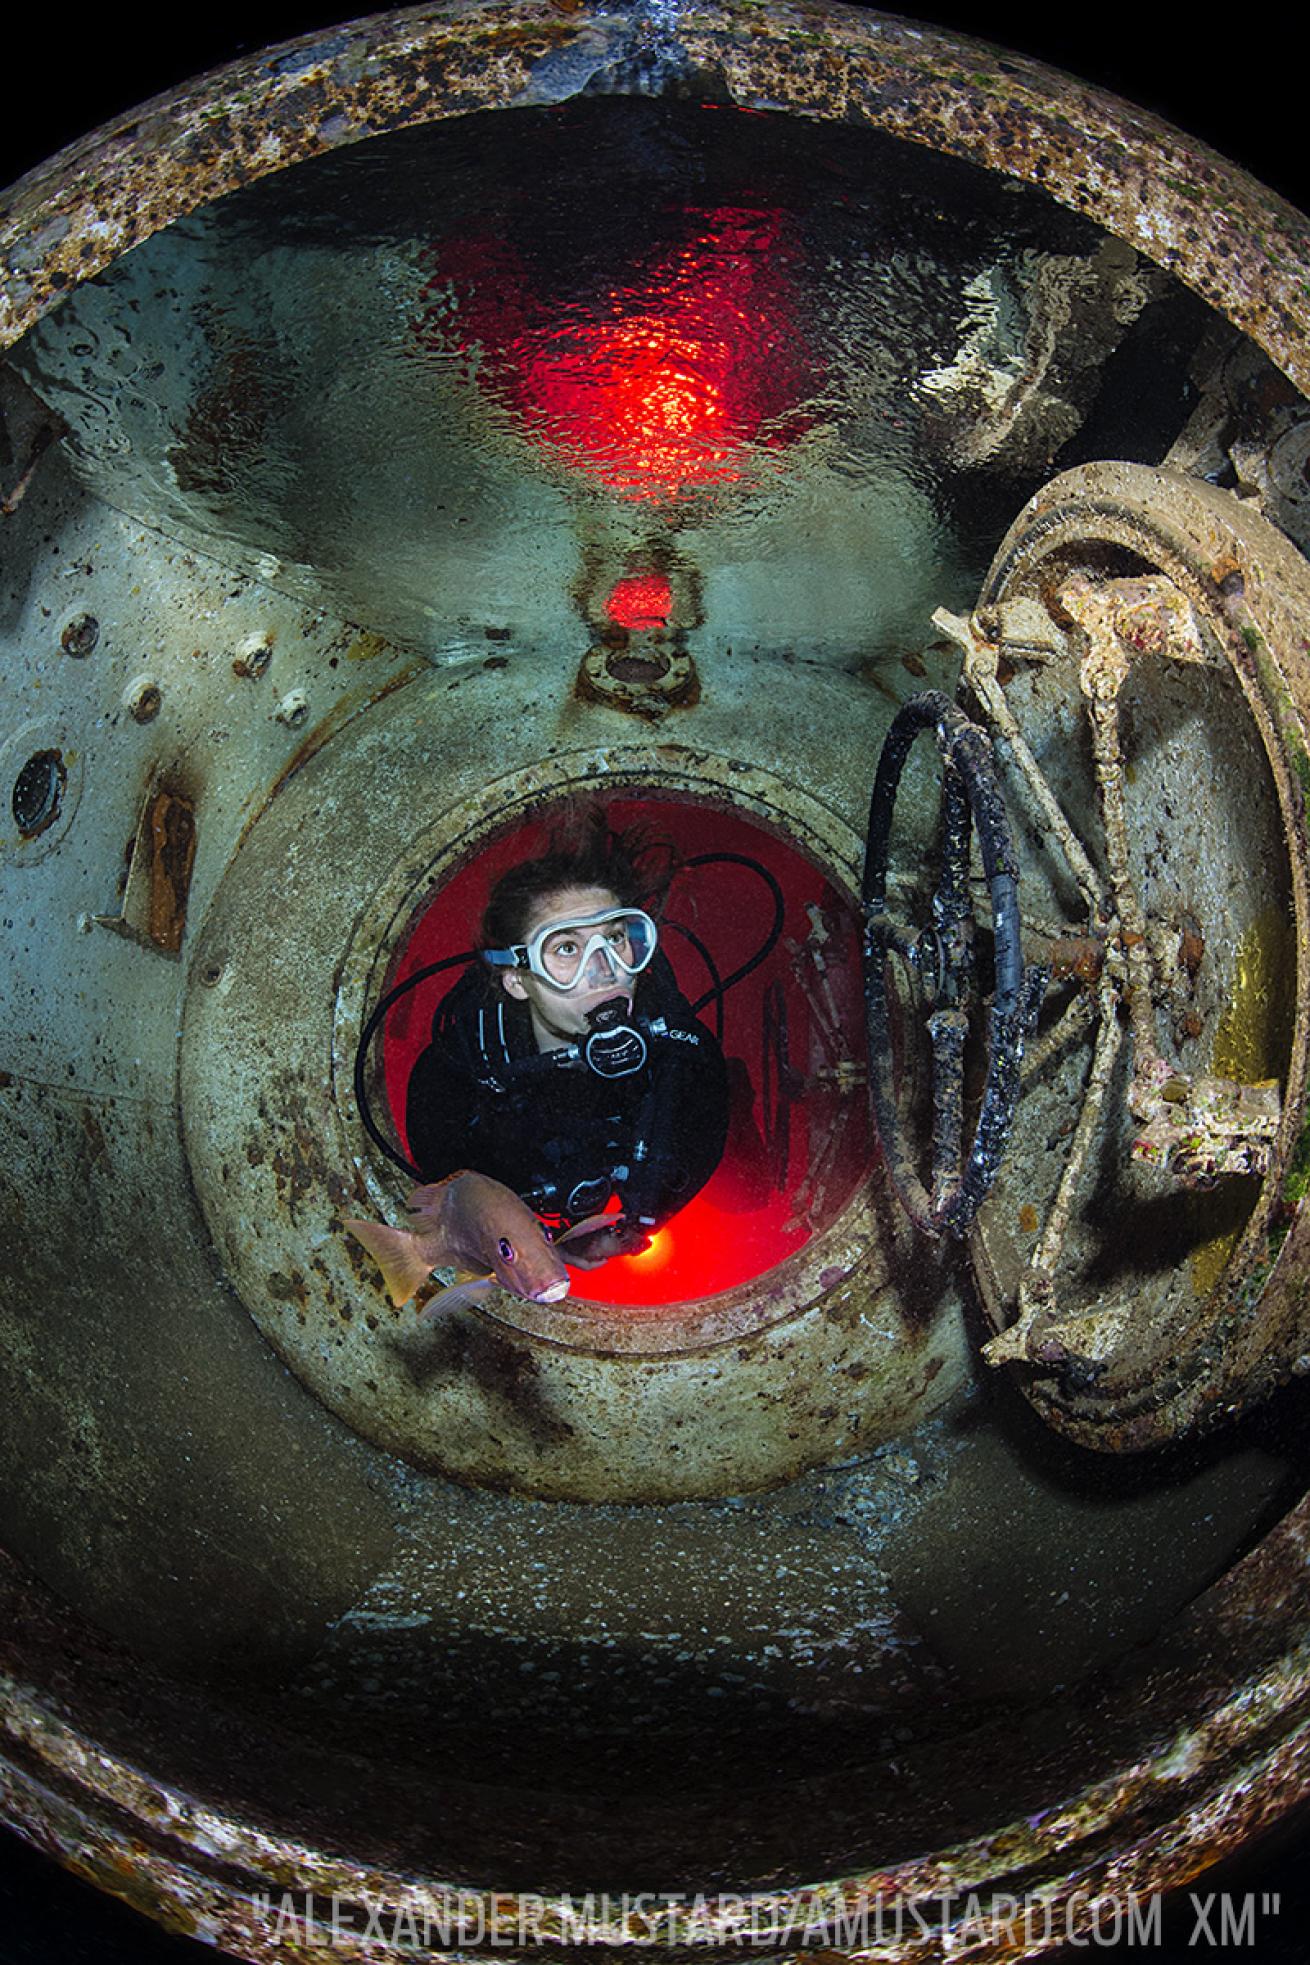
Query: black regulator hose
{"type": "Point", "coordinates": [716, 990]}
{"type": "Point", "coordinates": [392, 997]}
{"type": "Point", "coordinates": [944, 956]}
{"type": "Point", "coordinates": [771, 940]}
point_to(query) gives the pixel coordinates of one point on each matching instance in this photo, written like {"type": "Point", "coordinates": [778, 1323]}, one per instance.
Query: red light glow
{"type": "Point", "coordinates": [671, 379]}
{"type": "Point", "coordinates": [641, 601]}
{"type": "Point", "coordinates": [770, 1193]}
{"type": "Point", "coordinates": [656, 1255]}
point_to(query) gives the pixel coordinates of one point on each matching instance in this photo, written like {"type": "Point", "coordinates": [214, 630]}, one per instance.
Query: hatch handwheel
{"type": "Point", "coordinates": [942, 958]}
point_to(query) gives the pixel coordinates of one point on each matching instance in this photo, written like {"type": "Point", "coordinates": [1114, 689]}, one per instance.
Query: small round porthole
{"type": "Point", "coordinates": [38, 792]}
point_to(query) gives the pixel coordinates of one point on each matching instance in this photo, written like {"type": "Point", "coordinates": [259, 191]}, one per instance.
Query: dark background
{"type": "Point", "coordinates": [1234, 79]}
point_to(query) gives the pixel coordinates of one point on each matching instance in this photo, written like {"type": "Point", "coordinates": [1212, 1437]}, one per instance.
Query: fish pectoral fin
{"type": "Point", "coordinates": [401, 1257]}
{"type": "Point", "coordinates": [456, 1296]}
{"type": "Point", "coordinates": [425, 1201]}
{"type": "Point", "coordinates": [591, 1226]}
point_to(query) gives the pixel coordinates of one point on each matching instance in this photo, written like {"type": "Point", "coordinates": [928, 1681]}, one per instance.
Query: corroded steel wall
{"type": "Point", "coordinates": [145, 1785]}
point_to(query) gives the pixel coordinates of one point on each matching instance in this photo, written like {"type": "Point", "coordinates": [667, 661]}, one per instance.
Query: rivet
{"type": "Point", "coordinates": [142, 698]}
{"type": "Point", "coordinates": [293, 709]}
{"type": "Point", "coordinates": [80, 635]}
{"type": "Point", "coordinates": [252, 657]}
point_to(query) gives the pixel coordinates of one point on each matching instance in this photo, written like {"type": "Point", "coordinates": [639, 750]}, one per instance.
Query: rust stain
{"type": "Point", "coordinates": [288, 1289]}
{"type": "Point", "coordinates": [171, 834]}
{"type": "Point", "coordinates": [341, 714]}
{"type": "Point", "coordinates": [226, 423]}
{"type": "Point", "coordinates": [97, 1145]}
{"type": "Point", "coordinates": [366, 647]}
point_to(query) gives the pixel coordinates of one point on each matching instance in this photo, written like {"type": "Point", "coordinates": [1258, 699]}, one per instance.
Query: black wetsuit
{"type": "Point", "coordinates": [567, 1139]}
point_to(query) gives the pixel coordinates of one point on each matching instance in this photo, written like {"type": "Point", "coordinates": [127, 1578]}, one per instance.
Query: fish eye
{"type": "Point", "coordinates": [506, 1249]}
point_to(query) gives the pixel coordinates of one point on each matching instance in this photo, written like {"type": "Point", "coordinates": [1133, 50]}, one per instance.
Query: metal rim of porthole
{"type": "Point", "coordinates": [823, 1351]}
{"type": "Point", "coordinates": [1173, 1765]}
{"type": "Point", "coordinates": [832, 1255]}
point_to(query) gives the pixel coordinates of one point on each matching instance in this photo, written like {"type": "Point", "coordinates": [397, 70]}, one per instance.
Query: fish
{"type": "Point", "coordinates": [470, 1223]}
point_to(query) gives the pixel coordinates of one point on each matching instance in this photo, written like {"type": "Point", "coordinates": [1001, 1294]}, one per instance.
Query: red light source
{"type": "Point", "coordinates": [655, 1254]}
{"type": "Point", "coordinates": [640, 601]}
{"type": "Point", "coordinates": [691, 361]}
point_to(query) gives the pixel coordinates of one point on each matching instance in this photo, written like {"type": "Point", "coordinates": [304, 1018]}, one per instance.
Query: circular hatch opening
{"type": "Point", "coordinates": [38, 792]}
{"type": "Point", "coordinates": [791, 1030]}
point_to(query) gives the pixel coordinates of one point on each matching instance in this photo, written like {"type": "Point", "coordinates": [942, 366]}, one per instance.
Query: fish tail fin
{"type": "Point", "coordinates": [400, 1256]}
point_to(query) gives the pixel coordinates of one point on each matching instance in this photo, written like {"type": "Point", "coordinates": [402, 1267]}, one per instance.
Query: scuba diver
{"type": "Point", "coordinates": [566, 1062]}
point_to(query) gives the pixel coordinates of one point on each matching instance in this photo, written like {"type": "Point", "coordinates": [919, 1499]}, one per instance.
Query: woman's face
{"type": "Point", "coordinates": [559, 1016]}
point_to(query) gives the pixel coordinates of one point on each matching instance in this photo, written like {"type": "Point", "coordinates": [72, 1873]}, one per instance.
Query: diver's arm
{"type": "Point", "coordinates": [440, 1108]}
{"type": "Point", "coordinates": [591, 1250]}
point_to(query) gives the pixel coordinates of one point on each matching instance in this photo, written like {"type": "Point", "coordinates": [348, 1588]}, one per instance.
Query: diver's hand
{"type": "Point", "coordinates": [589, 1251]}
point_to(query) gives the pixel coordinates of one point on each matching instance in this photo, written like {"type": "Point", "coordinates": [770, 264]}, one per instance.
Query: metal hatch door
{"type": "Point", "coordinates": [1140, 660]}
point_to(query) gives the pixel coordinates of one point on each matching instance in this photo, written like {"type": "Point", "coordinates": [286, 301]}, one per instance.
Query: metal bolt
{"type": "Point", "coordinates": [80, 635]}
{"type": "Point", "coordinates": [142, 698]}
{"type": "Point", "coordinates": [252, 657]}
{"type": "Point", "coordinates": [293, 709]}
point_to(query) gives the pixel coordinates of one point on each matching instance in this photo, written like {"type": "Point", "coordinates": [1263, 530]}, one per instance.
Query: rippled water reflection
{"type": "Point", "coordinates": [432, 380]}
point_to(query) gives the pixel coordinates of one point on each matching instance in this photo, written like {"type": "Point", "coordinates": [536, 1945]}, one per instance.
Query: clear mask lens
{"type": "Point", "coordinates": [594, 951]}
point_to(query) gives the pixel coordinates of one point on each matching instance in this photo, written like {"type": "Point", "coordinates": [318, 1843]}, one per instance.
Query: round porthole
{"type": "Point", "coordinates": [794, 1321]}
{"type": "Point", "coordinates": [763, 946]}
{"type": "Point", "coordinates": [38, 792]}
{"type": "Point", "coordinates": [977, 1660]}
{"type": "Point", "coordinates": [42, 768]}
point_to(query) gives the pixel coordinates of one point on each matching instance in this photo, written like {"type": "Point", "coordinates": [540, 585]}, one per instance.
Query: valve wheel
{"type": "Point", "coordinates": [942, 956]}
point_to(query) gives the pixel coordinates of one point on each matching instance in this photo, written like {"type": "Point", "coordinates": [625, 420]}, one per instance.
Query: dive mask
{"type": "Point", "coordinates": [587, 950]}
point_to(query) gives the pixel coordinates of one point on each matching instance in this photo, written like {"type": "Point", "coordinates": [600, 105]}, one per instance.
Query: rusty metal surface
{"type": "Point", "coordinates": [156, 1790]}
{"type": "Point", "coordinates": [158, 885]}
{"type": "Point", "coordinates": [229, 1811]}
{"type": "Point", "coordinates": [1145, 1381]}
{"type": "Point", "coordinates": [1226, 236]}
{"type": "Point", "coordinates": [156, 1471]}
{"type": "Point", "coordinates": [644, 679]}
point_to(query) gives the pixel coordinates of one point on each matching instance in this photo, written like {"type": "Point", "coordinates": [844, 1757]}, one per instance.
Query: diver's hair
{"type": "Point", "coordinates": [582, 851]}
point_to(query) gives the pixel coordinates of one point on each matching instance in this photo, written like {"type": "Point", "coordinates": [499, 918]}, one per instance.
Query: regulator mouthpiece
{"type": "Point", "coordinates": [615, 1047]}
